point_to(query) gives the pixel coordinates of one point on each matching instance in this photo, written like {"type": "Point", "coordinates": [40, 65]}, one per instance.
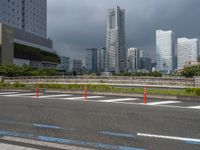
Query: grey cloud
{"type": "Point", "coordinates": [75, 25]}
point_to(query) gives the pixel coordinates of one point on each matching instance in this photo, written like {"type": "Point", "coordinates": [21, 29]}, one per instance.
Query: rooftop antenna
{"type": "Point", "coordinates": [117, 4]}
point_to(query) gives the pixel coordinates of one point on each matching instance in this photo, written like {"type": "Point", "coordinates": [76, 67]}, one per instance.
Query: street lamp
{"type": "Point", "coordinates": [131, 65]}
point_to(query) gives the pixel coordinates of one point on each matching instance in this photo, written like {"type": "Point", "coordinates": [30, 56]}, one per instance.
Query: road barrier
{"type": "Point", "coordinates": [153, 81]}
{"type": "Point", "coordinates": [85, 93]}
{"type": "Point", "coordinates": [145, 95]}
{"type": "Point", "coordinates": [37, 90]}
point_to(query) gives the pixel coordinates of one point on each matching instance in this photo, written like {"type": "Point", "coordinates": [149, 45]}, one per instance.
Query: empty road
{"type": "Point", "coordinates": [67, 121]}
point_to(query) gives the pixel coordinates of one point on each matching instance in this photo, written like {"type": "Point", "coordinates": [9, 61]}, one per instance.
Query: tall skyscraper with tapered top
{"type": "Point", "coordinates": [115, 58]}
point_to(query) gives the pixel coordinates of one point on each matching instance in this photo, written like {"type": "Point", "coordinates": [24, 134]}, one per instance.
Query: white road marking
{"type": "Point", "coordinates": [119, 100]}
{"type": "Point", "coordinates": [82, 97]}
{"type": "Point", "coordinates": [41, 143]}
{"type": "Point", "coordinates": [7, 93]}
{"type": "Point", "coordinates": [163, 102]}
{"type": "Point", "coordinates": [169, 137]}
{"type": "Point", "coordinates": [15, 147]}
{"type": "Point", "coordinates": [18, 95]}
{"type": "Point", "coordinates": [52, 96]}
{"type": "Point", "coordinates": [194, 107]}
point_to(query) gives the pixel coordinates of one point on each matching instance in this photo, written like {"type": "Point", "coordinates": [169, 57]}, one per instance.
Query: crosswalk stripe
{"type": "Point", "coordinates": [194, 107]}
{"type": "Point", "coordinates": [7, 93]}
{"type": "Point", "coordinates": [82, 97]}
{"type": "Point", "coordinates": [15, 147]}
{"type": "Point", "coordinates": [52, 96]}
{"type": "Point", "coordinates": [18, 95]}
{"type": "Point", "coordinates": [118, 100]}
{"type": "Point", "coordinates": [163, 102]}
{"type": "Point", "coordinates": [41, 143]}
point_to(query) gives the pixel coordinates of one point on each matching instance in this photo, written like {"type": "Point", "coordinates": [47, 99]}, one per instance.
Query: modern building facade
{"type": "Point", "coordinates": [101, 59]}
{"type": "Point", "coordinates": [91, 60]}
{"type": "Point", "coordinates": [115, 58]}
{"type": "Point", "coordinates": [165, 51]}
{"type": "Point", "coordinates": [134, 59]}
{"type": "Point", "coordinates": [23, 26]}
{"type": "Point", "coordinates": [6, 44]}
{"type": "Point", "coordinates": [27, 15]}
{"type": "Point", "coordinates": [65, 64]}
{"type": "Point", "coordinates": [187, 51]}
{"type": "Point", "coordinates": [77, 66]}
{"type": "Point", "coordinates": [145, 64]}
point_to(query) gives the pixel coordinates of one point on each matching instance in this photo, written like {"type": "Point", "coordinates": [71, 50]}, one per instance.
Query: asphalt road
{"type": "Point", "coordinates": [98, 123]}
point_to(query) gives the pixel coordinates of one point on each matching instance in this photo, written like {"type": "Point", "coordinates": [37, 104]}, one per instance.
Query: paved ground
{"type": "Point", "coordinates": [67, 121]}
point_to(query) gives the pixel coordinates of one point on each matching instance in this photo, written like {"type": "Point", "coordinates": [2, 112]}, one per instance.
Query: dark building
{"type": "Point", "coordinates": [145, 64]}
{"type": "Point", "coordinates": [91, 60]}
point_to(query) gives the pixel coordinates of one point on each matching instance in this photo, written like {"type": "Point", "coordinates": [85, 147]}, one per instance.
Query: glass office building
{"type": "Point", "coordinates": [187, 51]}
{"type": "Point", "coordinates": [165, 51]}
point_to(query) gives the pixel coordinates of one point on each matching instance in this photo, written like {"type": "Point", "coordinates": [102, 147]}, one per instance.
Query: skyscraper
{"type": "Point", "coordinates": [165, 51]}
{"type": "Point", "coordinates": [134, 55]}
{"type": "Point", "coordinates": [115, 59]}
{"type": "Point", "coordinates": [187, 51]}
{"type": "Point", "coordinates": [101, 59]}
{"type": "Point", "coordinates": [28, 15]}
{"type": "Point", "coordinates": [91, 60]}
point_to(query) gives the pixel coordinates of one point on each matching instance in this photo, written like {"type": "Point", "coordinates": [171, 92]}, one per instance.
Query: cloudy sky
{"type": "Point", "coordinates": [76, 25]}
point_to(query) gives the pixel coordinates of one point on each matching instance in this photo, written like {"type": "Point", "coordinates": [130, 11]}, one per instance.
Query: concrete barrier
{"type": "Point", "coordinates": [124, 80]}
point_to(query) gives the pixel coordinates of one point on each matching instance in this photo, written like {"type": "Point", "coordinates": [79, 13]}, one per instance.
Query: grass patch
{"type": "Point", "coordinates": [107, 88]}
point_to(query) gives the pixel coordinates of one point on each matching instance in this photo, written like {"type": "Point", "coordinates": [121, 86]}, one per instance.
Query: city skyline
{"type": "Point", "coordinates": [73, 35]}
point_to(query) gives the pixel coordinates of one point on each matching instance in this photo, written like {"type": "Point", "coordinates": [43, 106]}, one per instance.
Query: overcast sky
{"type": "Point", "coordinates": [75, 25]}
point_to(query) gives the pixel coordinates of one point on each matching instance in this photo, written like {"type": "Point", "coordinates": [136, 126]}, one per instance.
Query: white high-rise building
{"type": "Point", "coordinates": [28, 15]}
{"type": "Point", "coordinates": [134, 55]}
{"type": "Point", "coordinates": [165, 51]}
{"type": "Point", "coordinates": [187, 51]}
{"type": "Point", "coordinates": [115, 58]}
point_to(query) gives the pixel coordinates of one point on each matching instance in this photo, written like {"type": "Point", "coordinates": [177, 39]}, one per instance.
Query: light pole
{"type": "Point", "coordinates": [131, 65]}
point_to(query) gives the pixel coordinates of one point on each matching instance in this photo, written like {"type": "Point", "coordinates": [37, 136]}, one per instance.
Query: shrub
{"type": "Point", "coordinates": [193, 91]}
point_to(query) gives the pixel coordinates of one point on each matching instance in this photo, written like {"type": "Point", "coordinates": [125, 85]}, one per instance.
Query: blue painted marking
{"type": "Point", "coordinates": [67, 141]}
{"type": "Point", "coordinates": [16, 134]}
{"type": "Point", "coordinates": [46, 126]}
{"type": "Point", "coordinates": [85, 143]}
{"type": "Point", "coordinates": [118, 134]}
{"type": "Point", "coordinates": [192, 142]}
{"type": "Point", "coordinates": [29, 124]}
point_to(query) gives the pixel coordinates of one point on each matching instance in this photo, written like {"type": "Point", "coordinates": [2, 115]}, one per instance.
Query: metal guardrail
{"type": "Point", "coordinates": [168, 81]}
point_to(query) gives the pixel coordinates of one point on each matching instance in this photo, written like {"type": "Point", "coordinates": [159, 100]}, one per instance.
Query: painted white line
{"type": "Point", "coordinates": [194, 107]}
{"type": "Point", "coordinates": [7, 93]}
{"type": "Point", "coordinates": [82, 97]}
{"type": "Point", "coordinates": [52, 96]}
{"type": "Point", "coordinates": [169, 137]}
{"type": "Point", "coordinates": [15, 147]}
{"type": "Point", "coordinates": [18, 95]}
{"type": "Point", "coordinates": [119, 100]}
{"type": "Point", "coordinates": [163, 102]}
{"type": "Point", "coordinates": [41, 143]}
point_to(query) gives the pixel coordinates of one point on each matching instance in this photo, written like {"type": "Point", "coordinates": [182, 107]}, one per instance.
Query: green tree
{"type": "Point", "coordinates": [198, 59]}
{"type": "Point", "coordinates": [191, 71]}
